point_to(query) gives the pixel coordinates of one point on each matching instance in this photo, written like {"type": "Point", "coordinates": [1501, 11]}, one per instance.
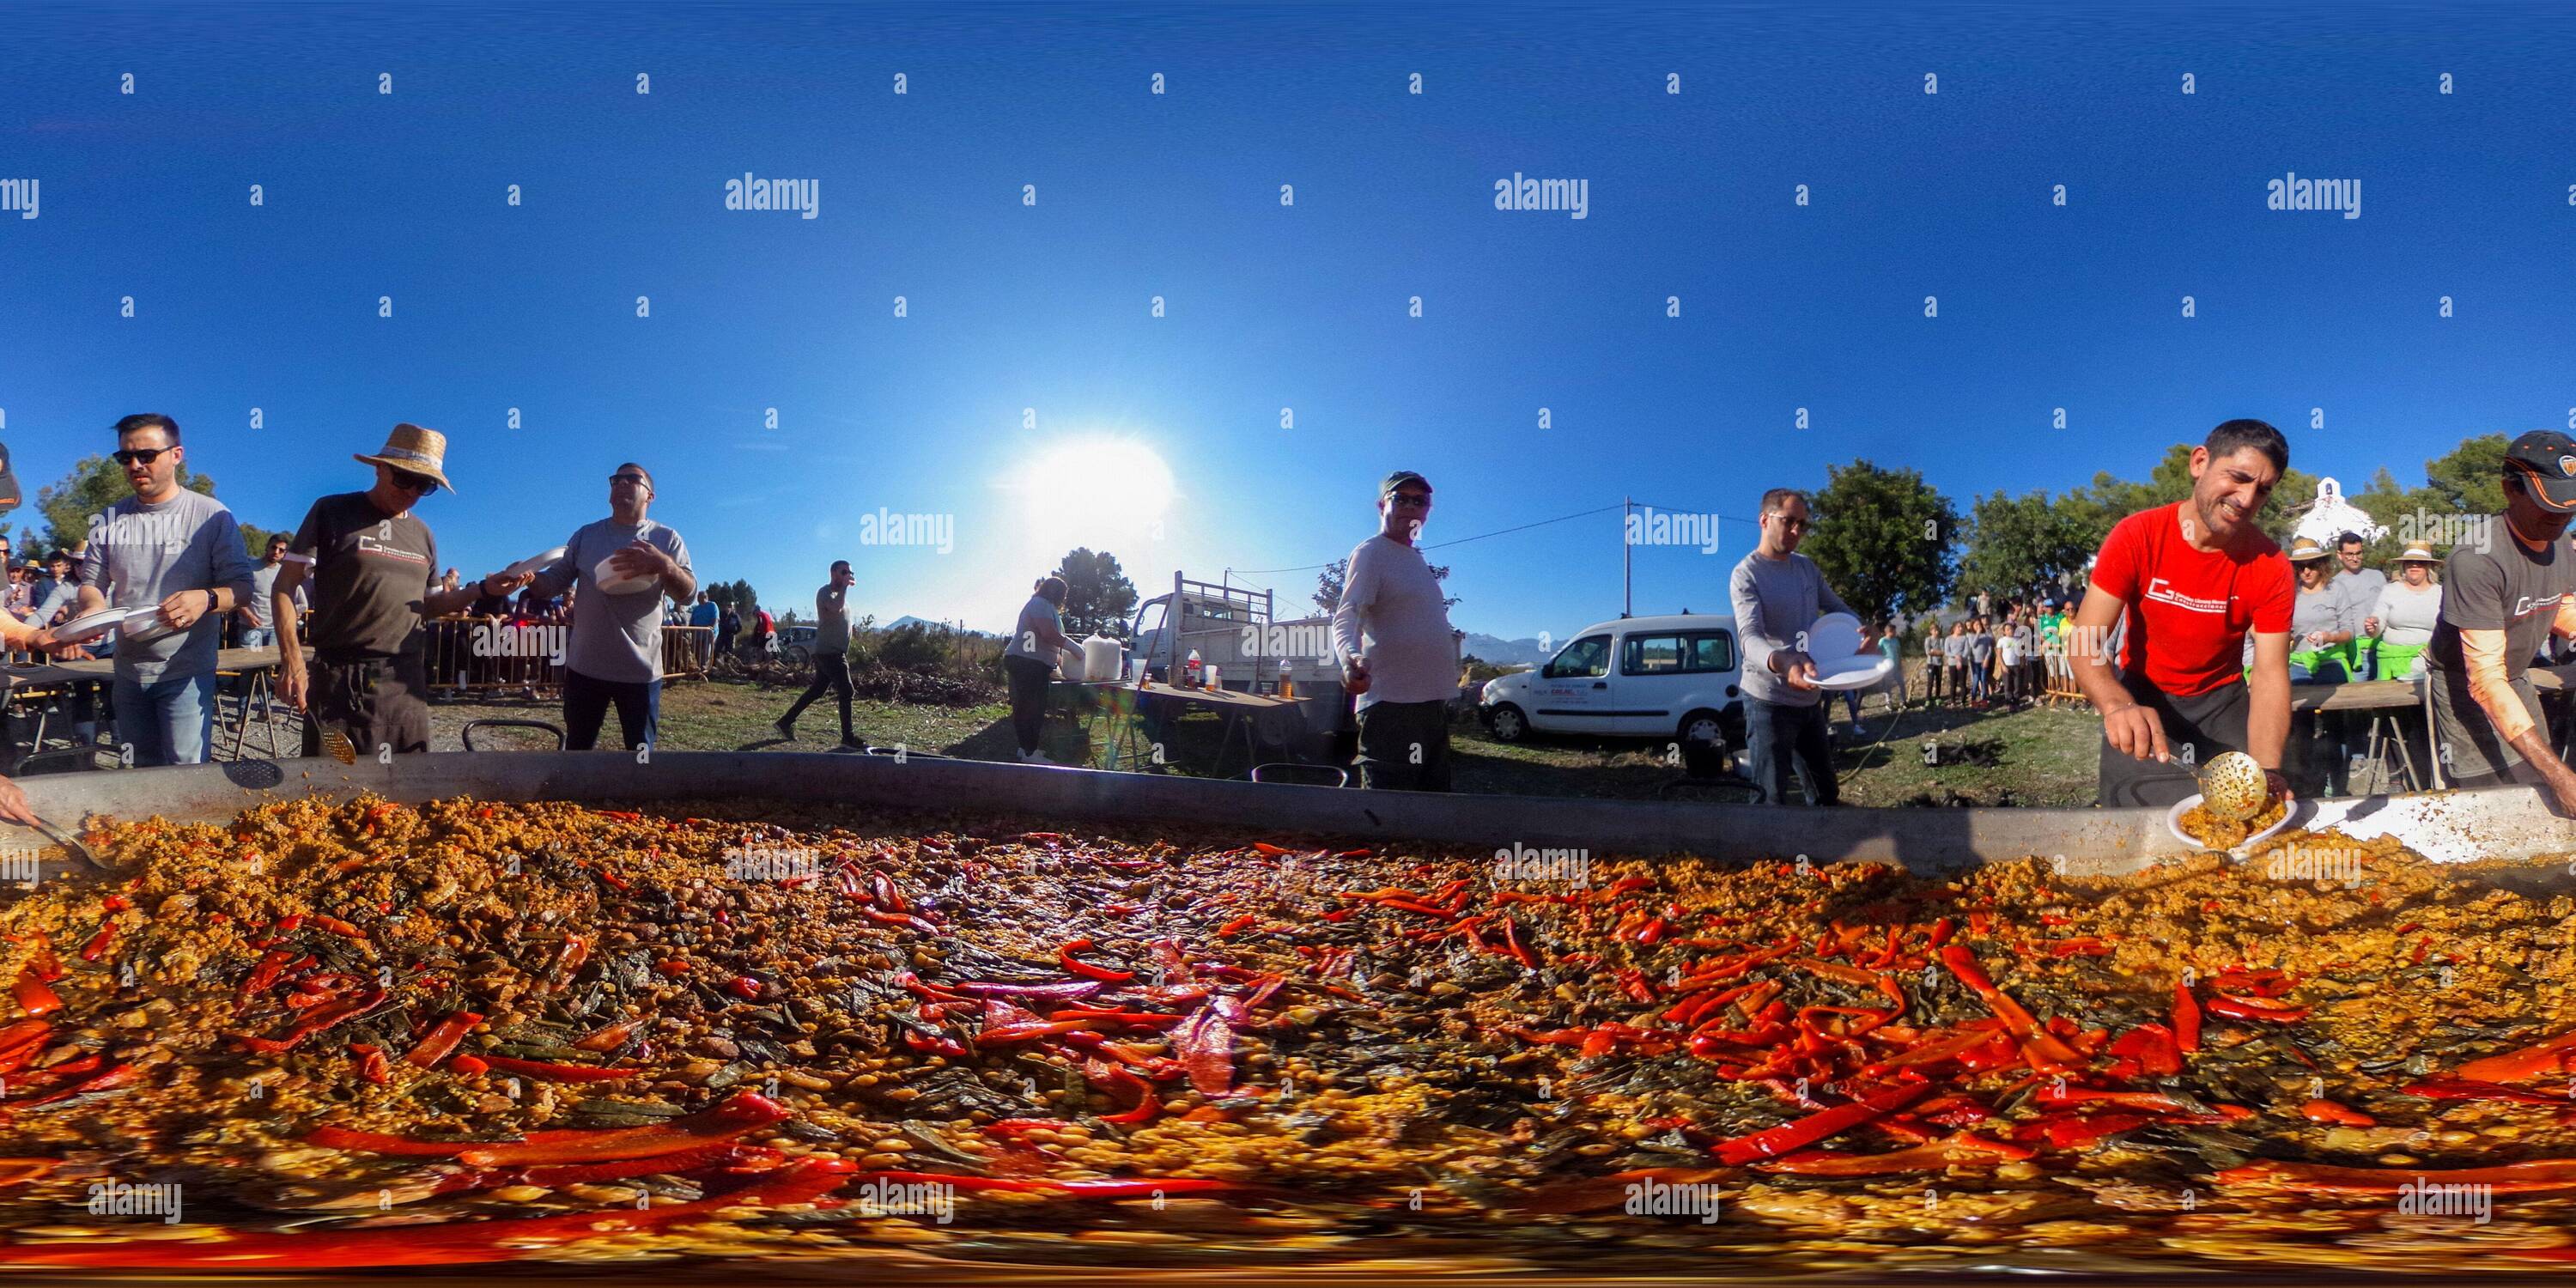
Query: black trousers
{"type": "Point", "coordinates": [1404, 746]}
{"type": "Point", "coordinates": [831, 672]}
{"type": "Point", "coordinates": [373, 702]}
{"type": "Point", "coordinates": [1028, 699]}
{"type": "Point", "coordinates": [586, 703]}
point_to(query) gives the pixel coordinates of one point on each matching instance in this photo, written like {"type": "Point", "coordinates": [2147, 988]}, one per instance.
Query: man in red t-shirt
{"type": "Point", "coordinates": [2186, 583]}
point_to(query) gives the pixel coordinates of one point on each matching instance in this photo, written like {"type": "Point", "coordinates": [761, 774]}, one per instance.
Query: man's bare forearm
{"type": "Point", "coordinates": [2267, 719]}
{"type": "Point", "coordinates": [2533, 743]}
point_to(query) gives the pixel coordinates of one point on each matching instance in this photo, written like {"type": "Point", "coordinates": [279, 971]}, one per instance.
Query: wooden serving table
{"type": "Point", "coordinates": [1131, 709]}
{"type": "Point", "coordinates": [2386, 699]}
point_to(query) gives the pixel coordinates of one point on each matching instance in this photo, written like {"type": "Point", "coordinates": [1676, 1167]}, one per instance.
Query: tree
{"type": "Point", "coordinates": [2020, 544]}
{"type": "Point", "coordinates": [1098, 597]}
{"type": "Point", "coordinates": [1882, 539]}
{"type": "Point", "coordinates": [1328, 586]}
{"type": "Point", "coordinates": [98, 482]}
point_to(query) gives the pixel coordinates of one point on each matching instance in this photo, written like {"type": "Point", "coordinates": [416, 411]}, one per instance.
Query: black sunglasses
{"type": "Point", "coordinates": [147, 455]}
{"type": "Point", "coordinates": [410, 482]}
{"type": "Point", "coordinates": [1409, 498]}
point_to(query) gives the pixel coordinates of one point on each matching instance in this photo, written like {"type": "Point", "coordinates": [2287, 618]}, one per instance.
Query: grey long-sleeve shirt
{"type": "Point", "coordinates": [1776, 601]}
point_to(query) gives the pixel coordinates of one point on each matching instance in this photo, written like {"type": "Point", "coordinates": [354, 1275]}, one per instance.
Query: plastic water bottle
{"type": "Point", "coordinates": [1190, 672]}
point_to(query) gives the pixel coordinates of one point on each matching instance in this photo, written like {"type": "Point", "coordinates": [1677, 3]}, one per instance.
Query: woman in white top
{"type": "Point", "coordinates": [2408, 607]}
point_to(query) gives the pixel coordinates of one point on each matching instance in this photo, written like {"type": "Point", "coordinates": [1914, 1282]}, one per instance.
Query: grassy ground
{"type": "Point", "coordinates": [1948, 756]}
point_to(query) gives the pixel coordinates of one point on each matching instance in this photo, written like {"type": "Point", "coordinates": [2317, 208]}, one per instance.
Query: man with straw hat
{"type": "Point", "coordinates": [2503, 598]}
{"type": "Point", "coordinates": [2403, 617]}
{"type": "Point", "coordinates": [374, 568]}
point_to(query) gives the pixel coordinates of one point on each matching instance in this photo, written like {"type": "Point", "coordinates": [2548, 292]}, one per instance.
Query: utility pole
{"type": "Point", "coordinates": [1627, 559]}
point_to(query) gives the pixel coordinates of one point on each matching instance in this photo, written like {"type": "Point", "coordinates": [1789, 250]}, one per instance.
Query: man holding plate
{"type": "Point", "coordinates": [619, 568]}
{"type": "Point", "coordinates": [371, 562]}
{"type": "Point", "coordinates": [1778, 594]}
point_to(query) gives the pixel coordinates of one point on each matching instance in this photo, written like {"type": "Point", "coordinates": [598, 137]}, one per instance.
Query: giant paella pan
{"type": "Point", "coordinates": [830, 1016]}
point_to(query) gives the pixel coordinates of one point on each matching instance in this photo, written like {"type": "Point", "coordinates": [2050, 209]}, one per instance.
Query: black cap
{"type": "Point", "coordinates": [1399, 479]}
{"type": "Point", "coordinates": [2546, 459]}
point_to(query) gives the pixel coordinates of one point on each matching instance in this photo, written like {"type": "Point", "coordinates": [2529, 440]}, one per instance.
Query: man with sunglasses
{"type": "Point", "coordinates": [373, 567]}
{"type": "Point", "coordinates": [179, 551]}
{"type": "Point", "coordinates": [1778, 594]}
{"type": "Point", "coordinates": [614, 653]}
{"type": "Point", "coordinates": [1392, 632]}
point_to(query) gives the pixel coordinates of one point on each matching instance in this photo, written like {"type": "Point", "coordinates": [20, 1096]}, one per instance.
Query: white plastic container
{"type": "Point", "coordinates": [1100, 656]}
{"type": "Point", "coordinates": [1072, 665]}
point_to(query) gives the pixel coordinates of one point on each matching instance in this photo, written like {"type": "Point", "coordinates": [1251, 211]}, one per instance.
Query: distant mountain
{"type": "Point", "coordinates": [910, 620]}
{"type": "Point", "coordinates": [1503, 652]}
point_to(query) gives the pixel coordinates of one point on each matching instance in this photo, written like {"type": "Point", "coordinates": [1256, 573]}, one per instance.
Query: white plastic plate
{"type": "Point", "coordinates": [2173, 822]}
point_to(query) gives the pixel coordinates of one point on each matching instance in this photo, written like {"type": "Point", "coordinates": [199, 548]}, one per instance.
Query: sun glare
{"type": "Point", "coordinates": [1096, 489]}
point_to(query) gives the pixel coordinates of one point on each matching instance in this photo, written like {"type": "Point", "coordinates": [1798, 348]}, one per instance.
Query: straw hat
{"type": "Point", "coordinates": [2305, 549]}
{"type": "Point", "coordinates": [2419, 552]}
{"type": "Point", "coordinates": [420, 451]}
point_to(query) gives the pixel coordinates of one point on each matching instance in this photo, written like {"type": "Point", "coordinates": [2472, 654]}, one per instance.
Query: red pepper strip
{"type": "Point", "coordinates": [2549, 1057]}
{"type": "Point", "coordinates": [1830, 970]}
{"type": "Point", "coordinates": [2186, 1025]}
{"type": "Point", "coordinates": [441, 1039]}
{"type": "Point", "coordinates": [1265, 847]}
{"type": "Point", "coordinates": [19, 1171]}
{"type": "Point", "coordinates": [469, 1066]}
{"type": "Point", "coordinates": [2266, 982]}
{"type": "Point", "coordinates": [744, 987]}
{"type": "Point", "coordinates": [899, 919]}
{"type": "Point", "coordinates": [2147, 1049]}
{"type": "Point", "coordinates": [459, 1243]}
{"type": "Point", "coordinates": [2469, 1089]}
{"type": "Point", "coordinates": [558, 1072]}
{"type": "Point", "coordinates": [1958, 1147]}
{"type": "Point", "coordinates": [2083, 946]}
{"type": "Point", "coordinates": [2511, 1178]}
{"type": "Point", "coordinates": [1653, 933]}
{"type": "Point", "coordinates": [372, 1065]}
{"type": "Point", "coordinates": [1085, 1018]}
{"type": "Point", "coordinates": [1420, 909]}
{"type": "Point", "coordinates": [123, 1075]}
{"type": "Point", "coordinates": [2071, 1131]}
{"type": "Point", "coordinates": [23, 1041]}
{"type": "Point", "coordinates": [290, 923]}
{"type": "Point", "coordinates": [1064, 957]}
{"type": "Point", "coordinates": [34, 996]}
{"type": "Point", "coordinates": [98, 944]}
{"type": "Point", "coordinates": [1520, 952]}
{"type": "Point", "coordinates": [611, 1037]}
{"type": "Point", "coordinates": [743, 1113]}
{"type": "Point", "coordinates": [1205, 1043]}
{"type": "Point", "coordinates": [1963, 964]}
{"type": "Point", "coordinates": [1010, 1033]}
{"type": "Point", "coordinates": [2240, 1008]}
{"type": "Point", "coordinates": [1796, 1134]}
{"type": "Point", "coordinates": [323, 1017]}
{"type": "Point", "coordinates": [1625, 884]}
{"type": "Point", "coordinates": [271, 964]}
{"type": "Point", "coordinates": [888, 897]}
{"type": "Point", "coordinates": [370, 1142]}
{"type": "Point", "coordinates": [1230, 929]}
{"type": "Point", "coordinates": [707, 1158]}
{"type": "Point", "coordinates": [2327, 1111]}
{"type": "Point", "coordinates": [338, 927]}
{"type": "Point", "coordinates": [1068, 990]}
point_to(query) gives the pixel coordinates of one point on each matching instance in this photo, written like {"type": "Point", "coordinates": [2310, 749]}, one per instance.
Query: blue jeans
{"type": "Point", "coordinates": [1780, 738]}
{"type": "Point", "coordinates": [586, 702]}
{"type": "Point", "coordinates": [257, 637]}
{"type": "Point", "coordinates": [170, 721]}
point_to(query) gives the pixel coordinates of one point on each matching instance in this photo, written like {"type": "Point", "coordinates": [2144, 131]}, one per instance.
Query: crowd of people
{"type": "Point", "coordinates": [2211, 623]}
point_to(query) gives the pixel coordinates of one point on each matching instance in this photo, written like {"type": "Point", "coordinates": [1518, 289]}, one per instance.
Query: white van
{"type": "Point", "coordinates": [1645, 677]}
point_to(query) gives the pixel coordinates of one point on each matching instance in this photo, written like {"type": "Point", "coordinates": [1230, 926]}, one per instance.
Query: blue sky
{"type": "Point", "coordinates": [1013, 307]}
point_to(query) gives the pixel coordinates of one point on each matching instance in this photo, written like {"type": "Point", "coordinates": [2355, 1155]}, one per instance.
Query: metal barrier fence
{"type": "Point", "coordinates": [494, 657]}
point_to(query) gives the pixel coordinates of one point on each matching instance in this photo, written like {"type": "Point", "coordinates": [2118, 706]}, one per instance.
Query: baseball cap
{"type": "Point", "coordinates": [2547, 460]}
{"type": "Point", "coordinates": [1399, 479]}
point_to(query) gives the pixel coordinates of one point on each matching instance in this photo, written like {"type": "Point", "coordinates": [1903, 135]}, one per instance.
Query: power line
{"type": "Point", "coordinates": [1443, 544]}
